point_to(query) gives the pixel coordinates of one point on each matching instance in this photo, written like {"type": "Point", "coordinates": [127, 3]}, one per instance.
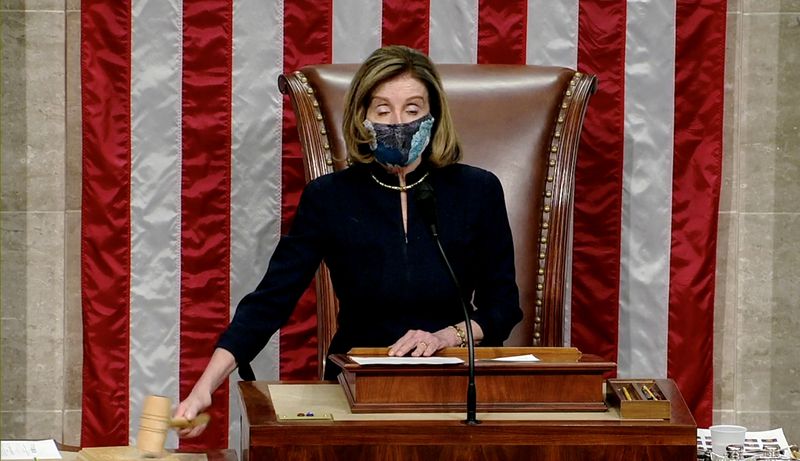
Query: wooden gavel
{"type": "Point", "coordinates": [155, 422]}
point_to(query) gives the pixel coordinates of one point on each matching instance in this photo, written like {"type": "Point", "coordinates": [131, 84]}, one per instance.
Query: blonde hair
{"type": "Point", "coordinates": [385, 64]}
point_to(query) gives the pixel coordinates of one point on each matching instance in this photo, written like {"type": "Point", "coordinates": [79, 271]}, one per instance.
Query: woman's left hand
{"type": "Point", "coordinates": [422, 343]}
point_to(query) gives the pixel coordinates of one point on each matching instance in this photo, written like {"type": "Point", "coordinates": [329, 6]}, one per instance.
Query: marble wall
{"type": "Point", "coordinates": [40, 220]}
{"type": "Point", "coordinates": [756, 373]}
{"type": "Point", "coordinates": [758, 284]}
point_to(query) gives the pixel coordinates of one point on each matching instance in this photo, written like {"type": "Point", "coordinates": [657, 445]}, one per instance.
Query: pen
{"type": "Point", "coordinates": [627, 394]}
{"type": "Point", "coordinates": [650, 395]}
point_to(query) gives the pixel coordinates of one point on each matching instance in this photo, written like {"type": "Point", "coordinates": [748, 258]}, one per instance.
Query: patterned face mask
{"type": "Point", "coordinates": [398, 145]}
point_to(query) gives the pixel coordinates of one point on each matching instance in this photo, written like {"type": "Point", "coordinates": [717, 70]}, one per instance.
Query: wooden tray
{"type": "Point", "coordinates": [637, 398]}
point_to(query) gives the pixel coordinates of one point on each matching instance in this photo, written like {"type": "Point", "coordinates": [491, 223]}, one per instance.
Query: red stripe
{"type": "Point", "coordinates": [697, 171]}
{"type": "Point", "coordinates": [502, 31]}
{"type": "Point", "coordinates": [105, 220]}
{"type": "Point", "coordinates": [598, 181]}
{"type": "Point", "coordinates": [406, 23]}
{"type": "Point", "coordinates": [307, 40]}
{"type": "Point", "coordinates": [205, 199]}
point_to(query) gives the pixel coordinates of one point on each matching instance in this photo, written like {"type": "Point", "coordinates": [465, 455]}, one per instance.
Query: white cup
{"type": "Point", "coordinates": [723, 435]}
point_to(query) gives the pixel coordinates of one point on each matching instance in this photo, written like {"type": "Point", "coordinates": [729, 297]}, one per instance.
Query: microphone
{"type": "Point", "coordinates": [426, 204]}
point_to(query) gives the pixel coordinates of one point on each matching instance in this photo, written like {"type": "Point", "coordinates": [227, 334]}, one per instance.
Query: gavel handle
{"type": "Point", "coordinates": [183, 423]}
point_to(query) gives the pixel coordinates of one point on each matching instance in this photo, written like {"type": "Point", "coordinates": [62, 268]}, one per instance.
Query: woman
{"type": "Point", "coordinates": [393, 287]}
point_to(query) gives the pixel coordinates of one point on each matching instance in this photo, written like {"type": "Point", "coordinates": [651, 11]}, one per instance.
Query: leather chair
{"type": "Point", "coordinates": [522, 123]}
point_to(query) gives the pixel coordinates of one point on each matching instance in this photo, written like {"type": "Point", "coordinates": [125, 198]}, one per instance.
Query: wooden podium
{"type": "Point", "coordinates": [562, 379]}
{"type": "Point", "coordinates": [272, 428]}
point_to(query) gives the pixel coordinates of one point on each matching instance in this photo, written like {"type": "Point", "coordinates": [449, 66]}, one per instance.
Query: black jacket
{"type": "Point", "coordinates": [388, 282]}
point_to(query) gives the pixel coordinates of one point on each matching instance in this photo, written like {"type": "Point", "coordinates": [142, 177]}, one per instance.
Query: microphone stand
{"type": "Point", "coordinates": [427, 207]}
{"type": "Point", "coordinates": [472, 398]}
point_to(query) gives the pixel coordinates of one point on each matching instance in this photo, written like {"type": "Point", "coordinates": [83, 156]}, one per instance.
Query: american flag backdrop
{"type": "Point", "coordinates": [192, 169]}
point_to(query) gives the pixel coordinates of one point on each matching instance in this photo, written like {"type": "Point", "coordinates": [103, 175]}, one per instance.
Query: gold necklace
{"type": "Point", "coordinates": [400, 188]}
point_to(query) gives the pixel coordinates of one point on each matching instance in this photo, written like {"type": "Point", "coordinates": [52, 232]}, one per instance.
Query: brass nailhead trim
{"type": "Point", "coordinates": [554, 146]}
{"type": "Point", "coordinates": [318, 116]}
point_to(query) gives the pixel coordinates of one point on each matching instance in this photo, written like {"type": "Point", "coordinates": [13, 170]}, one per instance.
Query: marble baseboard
{"type": "Point", "coordinates": [62, 426]}
{"type": "Point", "coordinates": [72, 428]}
{"type": "Point", "coordinates": [31, 425]}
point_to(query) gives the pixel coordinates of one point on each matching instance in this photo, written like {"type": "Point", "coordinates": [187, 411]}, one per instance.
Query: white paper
{"type": "Point", "coordinates": [517, 358]}
{"type": "Point", "coordinates": [29, 449]}
{"type": "Point", "coordinates": [754, 442]}
{"type": "Point", "coordinates": [406, 360]}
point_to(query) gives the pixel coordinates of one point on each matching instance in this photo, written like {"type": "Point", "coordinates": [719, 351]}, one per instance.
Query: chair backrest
{"type": "Point", "coordinates": [522, 123]}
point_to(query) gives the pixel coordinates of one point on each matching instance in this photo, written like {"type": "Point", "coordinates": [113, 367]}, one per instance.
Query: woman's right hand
{"type": "Point", "coordinates": [219, 367]}
{"type": "Point", "coordinates": [193, 405]}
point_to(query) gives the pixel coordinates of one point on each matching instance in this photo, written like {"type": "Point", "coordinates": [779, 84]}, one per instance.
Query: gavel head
{"type": "Point", "coordinates": [153, 426]}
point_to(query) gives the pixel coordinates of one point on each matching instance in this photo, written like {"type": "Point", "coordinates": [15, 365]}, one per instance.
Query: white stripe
{"type": "Point", "coordinates": [155, 203]}
{"type": "Point", "coordinates": [454, 31]}
{"type": "Point", "coordinates": [647, 188]}
{"type": "Point", "coordinates": [552, 40]}
{"type": "Point", "coordinates": [256, 164]}
{"type": "Point", "coordinates": [552, 37]}
{"type": "Point", "coordinates": [357, 29]}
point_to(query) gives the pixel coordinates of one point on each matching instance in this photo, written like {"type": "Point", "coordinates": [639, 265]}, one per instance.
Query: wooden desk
{"type": "Point", "coordinates": [382, 438]}
{"type": "Point", "coordinates": [70, 453]}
